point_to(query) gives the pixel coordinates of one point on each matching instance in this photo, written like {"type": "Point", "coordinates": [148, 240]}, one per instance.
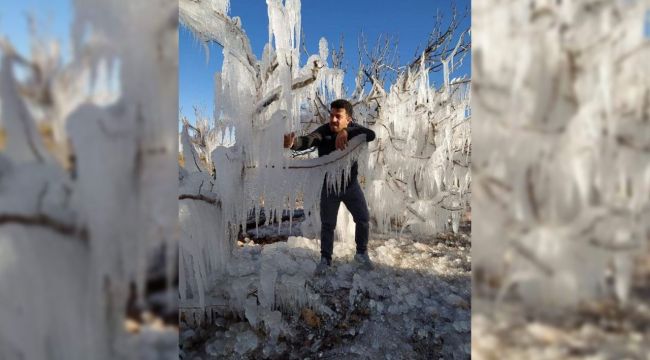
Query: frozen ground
{"type": "Point", "coordinates": [602, 329]}
{"type": "Point", "coordinates": [414, 305]}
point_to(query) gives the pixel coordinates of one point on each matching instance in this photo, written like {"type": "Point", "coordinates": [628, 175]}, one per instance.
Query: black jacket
{"type": "Point", "coordinates": [325, 140]}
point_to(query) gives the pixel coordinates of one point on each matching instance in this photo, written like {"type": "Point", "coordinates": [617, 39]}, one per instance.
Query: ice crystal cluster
{"type": "Point", "coordinates": [419, 166]}
{"type": "Point", "coordinates": [561, 162]}
{"type": "Point", "coordinates": [416, 173]}
{"type": "Point", "coordinates": [77, 225]}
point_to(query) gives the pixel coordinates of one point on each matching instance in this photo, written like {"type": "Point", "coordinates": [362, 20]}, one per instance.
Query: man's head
{"type": "Point", "coordinates": [340, 115]}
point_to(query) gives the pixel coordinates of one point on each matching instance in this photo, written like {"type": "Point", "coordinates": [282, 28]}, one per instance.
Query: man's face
{"type": "Point", "coordinates": [339, 120]}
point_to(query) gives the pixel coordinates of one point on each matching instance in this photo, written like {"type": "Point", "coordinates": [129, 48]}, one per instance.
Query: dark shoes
{"type": "Point", "coordinates": [322, 268]}
{"type": "Point", "coordinates": [363, 261]}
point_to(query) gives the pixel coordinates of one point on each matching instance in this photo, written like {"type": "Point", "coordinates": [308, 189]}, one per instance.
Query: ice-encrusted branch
{"type": "Point", "coordinates": [297, 84]}
{"type": "Point", "coordinates": [23, 140]}
{"type": "Point", "coordinates": [199, 197]}
{"type": "Point", "coordinates": [328, 159]}
{"type": "Point", "coordinates": [212, 25]}
{"type": "Point", "coordinates": [415, 213]}
{"type": "Point", "coordinates": [192, 159]}
{"type": "Point", "coordinates": [45, 221]}
{"type": "Point", "coordinates": [354, 144]}
{"type": "Point", "coordinates": [533, 258]}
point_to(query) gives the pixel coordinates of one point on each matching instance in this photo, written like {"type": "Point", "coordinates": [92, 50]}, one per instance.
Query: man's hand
{"type": "Point", "coordinates": [289, 140]}
{"type": "Point", "coordinates": [342, 139]}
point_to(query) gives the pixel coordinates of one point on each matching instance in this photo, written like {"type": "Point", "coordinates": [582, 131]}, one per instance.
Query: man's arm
{"type": "Point", "coordinates": [308, 141]}
{"type": "Point", "coordinates": [355, 129]}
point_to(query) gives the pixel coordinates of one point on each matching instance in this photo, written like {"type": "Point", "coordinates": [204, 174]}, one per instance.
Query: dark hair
{"type": "Point", "coordinates": [342, 104]}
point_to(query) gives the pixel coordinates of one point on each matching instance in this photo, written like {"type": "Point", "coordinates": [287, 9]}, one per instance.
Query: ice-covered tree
{"type": "Point", "coordinates": [561, 165]}
{"type": "Point", "coordinates": [417, 170]}
{"type": "Point", "coordinates": [77, 232]}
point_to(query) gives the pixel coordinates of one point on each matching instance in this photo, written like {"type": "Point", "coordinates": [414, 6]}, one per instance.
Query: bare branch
{"type": "Point", "coordinates": [203, 198]}
{"type": "Point", "coordinates": [530, 256]}
{"type": "Point", "coordinates": [439, 44]}
{"type": "Point", "coordinates": [337, 55]}
{"type": "Point", "coordinates": [42, 220]}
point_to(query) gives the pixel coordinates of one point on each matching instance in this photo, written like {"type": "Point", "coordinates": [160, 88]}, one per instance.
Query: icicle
{"type": "Point", "coordinates": [290, 219]}
{"type": "Point", "coordinates": [322, 50]}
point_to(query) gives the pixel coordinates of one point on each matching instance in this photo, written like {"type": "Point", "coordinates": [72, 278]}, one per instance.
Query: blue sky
{"type": "Point", "coordinates": [410, 22]}
{"type": "Point", "coordinates": [53, 19]}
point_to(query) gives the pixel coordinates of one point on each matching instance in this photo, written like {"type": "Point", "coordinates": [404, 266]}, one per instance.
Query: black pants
{"type": "Point", "coordinates": [355, 202]}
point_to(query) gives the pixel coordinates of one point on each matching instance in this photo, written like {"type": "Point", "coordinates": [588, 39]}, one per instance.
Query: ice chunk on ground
{"type": "Point", "coordinates": [216, 348]}
{"type": "Point", "coordinates": [251, 311]}
{"type": "Point", "coordinates": [246, 342]}
{"type": "Point", "coordinates": [273, 324]}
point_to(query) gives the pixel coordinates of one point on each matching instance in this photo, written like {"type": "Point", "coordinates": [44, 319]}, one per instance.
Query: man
{"type": "Point", "coordinates": [327, 138]}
